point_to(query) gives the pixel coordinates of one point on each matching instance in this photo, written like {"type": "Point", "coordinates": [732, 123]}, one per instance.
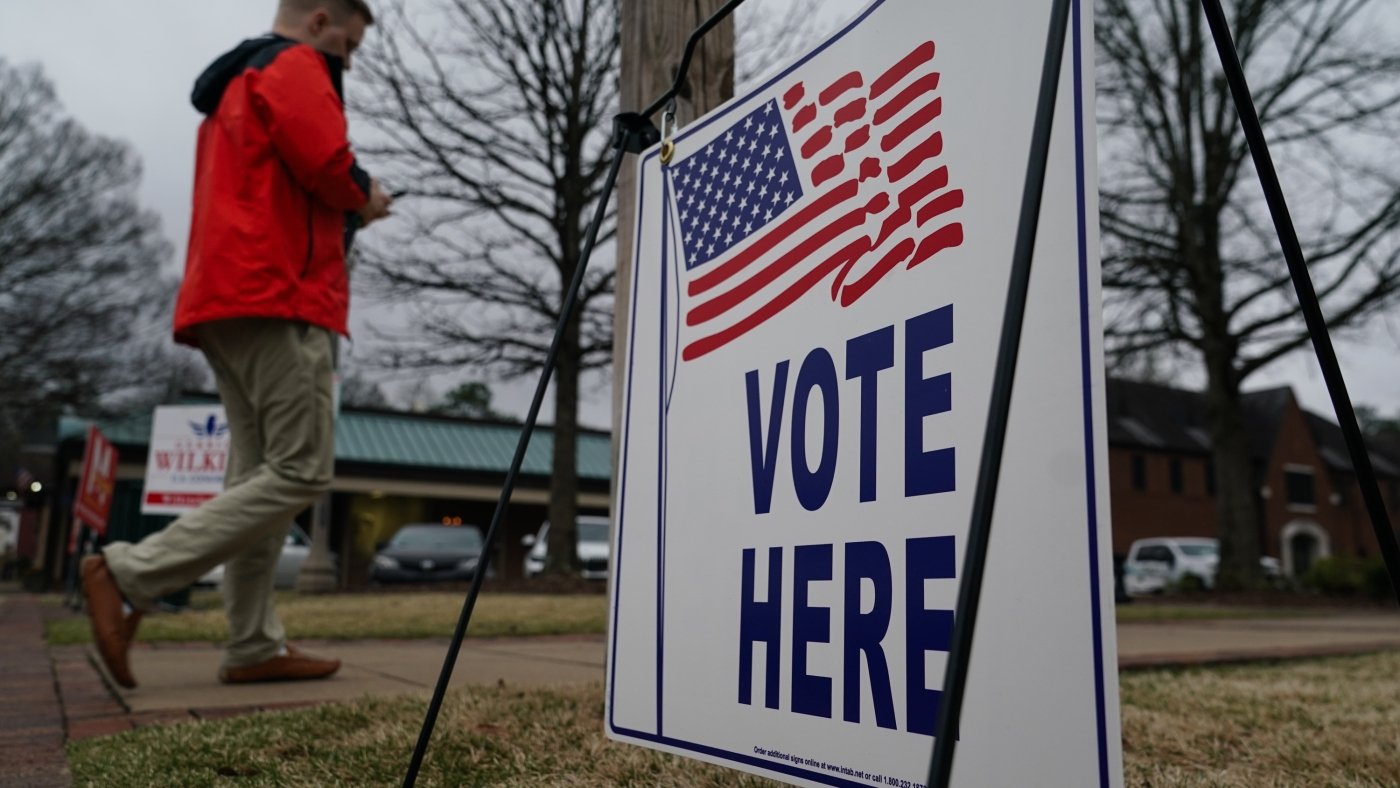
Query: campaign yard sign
{"type": "Point", "coordinates": [97, 483]}
{"type": "Point", "coordinates": [820, 277]}
{"type": "Point", "coordinates": [188, 457]}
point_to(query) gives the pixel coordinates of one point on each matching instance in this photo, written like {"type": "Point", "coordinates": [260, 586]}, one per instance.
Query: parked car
{"type": "Point", "coordinates": [428, 552]}
{"type": "Point", "coordinates": [1155, 564]}
{"type": "Point", "coordinates": [592, 542]}
{"type": "Point", "coordinates": [294, 553]}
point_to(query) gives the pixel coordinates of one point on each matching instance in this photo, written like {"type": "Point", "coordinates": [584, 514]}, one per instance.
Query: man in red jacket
{"type": "Point", "coordinates": [277, 196]}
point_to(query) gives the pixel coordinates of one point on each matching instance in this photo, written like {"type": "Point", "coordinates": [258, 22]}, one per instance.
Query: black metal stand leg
{"type": "Point", "coordinates": [633, 133]}
{"type": "Point", "coordinates": [989, 472]}
{"type": "Point", "coordinates": [625, 138]}
{"type": "Point", "coordinates": [1307, 296]}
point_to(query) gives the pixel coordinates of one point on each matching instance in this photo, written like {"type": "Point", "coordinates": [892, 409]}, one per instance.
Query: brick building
{"type": "Point", "coordinates": [1309, 502]}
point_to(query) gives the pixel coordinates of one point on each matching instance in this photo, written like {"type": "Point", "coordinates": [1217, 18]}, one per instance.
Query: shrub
{"type": "Point", "coordinates": [1190, 584]}
{"type": "Point", "coordinates": [1376, 584]}
{"type": "Point", "coordinates": [1338, 574]}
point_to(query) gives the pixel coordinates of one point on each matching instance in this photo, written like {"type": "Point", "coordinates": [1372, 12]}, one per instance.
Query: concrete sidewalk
{"type": "Point", "coordinates": [1188, 643]}
{"type": "Point", "coordinates": [181, 677]}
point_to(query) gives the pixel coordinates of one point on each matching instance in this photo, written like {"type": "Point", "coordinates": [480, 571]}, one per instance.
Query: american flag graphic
{"type": "Point", "coordinates": [840, 183]}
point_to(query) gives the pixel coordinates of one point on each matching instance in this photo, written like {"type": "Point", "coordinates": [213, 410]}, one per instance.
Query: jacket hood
{"type": "Point", "coordinates": [254, 52]}
{"type": "Point", "coordinates": [209, 88]}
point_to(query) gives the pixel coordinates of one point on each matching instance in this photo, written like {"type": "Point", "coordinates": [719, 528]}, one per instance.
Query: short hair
{"type": "Point", "coordinates": [340, 9]}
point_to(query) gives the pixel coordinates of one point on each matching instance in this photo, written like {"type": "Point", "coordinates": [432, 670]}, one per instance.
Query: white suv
{"type": "Point", "coordinates": [1154, 564]}
{"type": "Point", "coordinates": [592, 543]}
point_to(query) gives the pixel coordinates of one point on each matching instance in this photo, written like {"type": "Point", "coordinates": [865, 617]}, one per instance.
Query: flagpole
{"type": "Point", "coordinates": [984, 500]}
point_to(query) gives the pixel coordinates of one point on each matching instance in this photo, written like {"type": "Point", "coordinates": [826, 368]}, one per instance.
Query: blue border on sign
{"type": "Point", "coordinates": [1091, 491]}
{"type": "Point", "coordinates": [1090, 482]}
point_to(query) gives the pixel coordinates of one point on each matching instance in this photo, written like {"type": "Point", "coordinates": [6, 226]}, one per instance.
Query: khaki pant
{"type": "Point", "coordinates": [275, 380]}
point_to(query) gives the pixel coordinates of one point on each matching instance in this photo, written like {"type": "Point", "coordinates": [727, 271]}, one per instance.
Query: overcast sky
{"type": "Point", "coordinates": [124, 69]}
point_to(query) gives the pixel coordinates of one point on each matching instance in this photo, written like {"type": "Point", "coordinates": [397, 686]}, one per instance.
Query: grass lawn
{"type": "Point", "coordinates": [434, 614]}
{"type": "Point", "coordinates": [363, 616]}
{"type": "Point", "coordinates": [494, 736]}
{"type": "Point", "coordinates": [1333, 722]}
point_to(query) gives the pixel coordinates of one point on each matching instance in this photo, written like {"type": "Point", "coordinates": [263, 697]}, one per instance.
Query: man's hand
{"type": "Point", "coordinates": [377, 207]}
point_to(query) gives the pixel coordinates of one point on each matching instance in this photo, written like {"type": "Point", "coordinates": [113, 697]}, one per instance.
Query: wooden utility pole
{"type": "Point", "coordinates": [654, 33]}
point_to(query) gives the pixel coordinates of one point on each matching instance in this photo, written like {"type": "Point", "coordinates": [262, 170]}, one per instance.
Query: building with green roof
{"type": "Point", "coordinates": [391, 469]}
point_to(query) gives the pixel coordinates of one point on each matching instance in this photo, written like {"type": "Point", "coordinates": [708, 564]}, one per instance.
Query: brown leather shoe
{"type": "Point", "coordinates": [109, 626]}
{"type": "Point", "coordinates": [295, 665]}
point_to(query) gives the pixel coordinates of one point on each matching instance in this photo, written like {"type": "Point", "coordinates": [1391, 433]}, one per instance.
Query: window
{"type": "Point", "coordinates": [1175, 469]}
{"type": "Point", "coordinates": [1159, 553]}
{"type": "Point", "coordinates": [1139, 472]}
{"type": "Point", "coordinates": [1298, 484]}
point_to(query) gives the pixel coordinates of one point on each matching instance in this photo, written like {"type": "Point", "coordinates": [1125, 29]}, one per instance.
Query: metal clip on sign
{"type": "Point", "coordinates": [668, 133]}
{"type": "Point", "coordinates": [633, 132]}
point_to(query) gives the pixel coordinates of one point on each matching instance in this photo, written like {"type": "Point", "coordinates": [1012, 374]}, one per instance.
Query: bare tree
{"type": "Point", "coordinates": [80, 266]}
{"type": "Point", "coordinates": [765, 41]}
{"type": "Point", "coordinates": [495, 117]}
{"type": "Point", "coordinates": [1192, 270]}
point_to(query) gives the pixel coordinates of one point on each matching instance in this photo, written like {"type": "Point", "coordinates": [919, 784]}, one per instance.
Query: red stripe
{"type": "Point", "coordinates": [894, 221]}
{"type": "Point", "coordinates": [794, 95]}
{"type": "Point", "coordinates": [923, 187]}
{"type": "Point", "coordinates": [178, 499]}
{"type": "Point", "coordinates": [941, 204]}
{"type": "Point", "coordinates": [713, 342]}
{"type": "Point", "coordinates": [924, 151]}
{"type": "Point", "coordinates": [818, 141]}
{"type": "Point", "coordinates": [852, 292]}
{"type": "Point", "coordinates": [804, 116]}
{"type": "Point", "coordinates": [828, 169]}
{"type": "Point", "coordinates": [851, 112]}
{"type": "Point", "coordinates": [940, 239]}
{"type": "Point", "coordinates": [859, 138]}
{"type": "Point", "coordinates": [925, 84]}
{"type": "Point", "coordinates": [851, 81]}
{"type": "Point", "coordinates": [869, 168]}
{"type": "Point", "coordinates": [921, 55]}
{"type": "Point", "coordinates": [768, 240]}
{"type": "Point", "coordinates": [911, 196]}
{"type": "Point", "coordinates": [911, 124]}
{"type": "Point", "coordinates": [765, 276]}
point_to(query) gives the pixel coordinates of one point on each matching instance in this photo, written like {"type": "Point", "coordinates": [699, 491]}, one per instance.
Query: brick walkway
{"type": "Point", "coordinates": [49, 696]}
{"type": "Point", "coordinates": [31, 717]}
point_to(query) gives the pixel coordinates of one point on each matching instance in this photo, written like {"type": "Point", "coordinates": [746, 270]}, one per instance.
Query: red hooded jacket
{"type": "Point", "coordinates": [274, 184]}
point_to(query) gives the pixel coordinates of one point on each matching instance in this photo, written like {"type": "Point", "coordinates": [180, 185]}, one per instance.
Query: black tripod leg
{"type": "Point", "coordinates": [1307, 296]}
{"type": "Point", "coordinates": [622, 142]}
{"type": "Point", "coordinates": [984, 502]}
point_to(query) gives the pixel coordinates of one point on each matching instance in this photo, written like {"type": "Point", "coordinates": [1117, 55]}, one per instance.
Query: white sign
{"type": "Point", "coordinates": [819, 285]}
{"type": "Point", "coordinates": [188, 455]}
{"type": "Point", "coordinates": [9, 529]}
